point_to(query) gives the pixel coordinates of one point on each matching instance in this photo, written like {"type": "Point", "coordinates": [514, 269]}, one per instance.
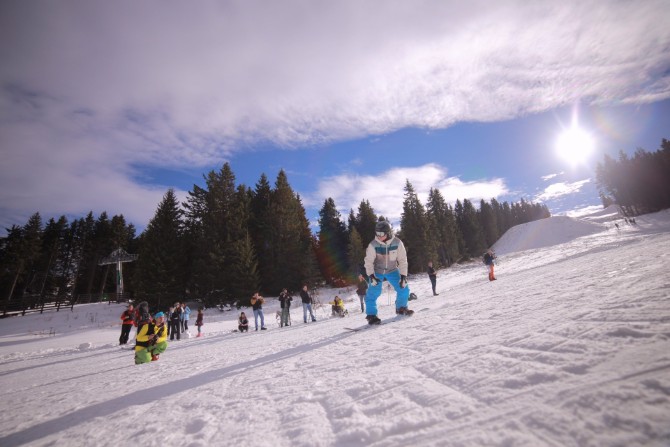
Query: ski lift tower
{"type": "Point", "coordinates": [118, 257]}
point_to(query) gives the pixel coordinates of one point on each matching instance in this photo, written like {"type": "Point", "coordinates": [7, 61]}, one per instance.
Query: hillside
{"type": "Point", "coordinates": [568, 348]}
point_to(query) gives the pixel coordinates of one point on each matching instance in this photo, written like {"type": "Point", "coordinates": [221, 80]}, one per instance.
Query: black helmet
{"type": "Point", "coordinates": [383, 227]}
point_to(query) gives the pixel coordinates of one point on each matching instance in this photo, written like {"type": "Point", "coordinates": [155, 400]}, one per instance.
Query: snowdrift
{"type": "Point", "coordinates": [545, 233]}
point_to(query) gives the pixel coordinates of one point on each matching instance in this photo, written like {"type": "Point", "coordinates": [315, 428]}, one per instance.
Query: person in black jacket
{"type": "Point", "coordinates": [306, 304]}
{"type": "Point", "coordinates": [362, 290]}
{"type": "Point", "coordinates": [175, 322]}
{"type": "Point", "coordinates": [433, 277]}
{"type": "Point", "coordinates": [285, 302]}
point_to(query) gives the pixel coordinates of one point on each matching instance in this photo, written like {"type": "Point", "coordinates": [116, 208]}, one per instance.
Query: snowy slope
{"type": "Point", "coordinates": [544, 233]}
{"type": "Point", "coordinates": [570, 347]}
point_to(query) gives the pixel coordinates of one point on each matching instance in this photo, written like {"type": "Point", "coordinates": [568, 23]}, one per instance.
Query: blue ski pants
{"type": "Point", "coordinates": [402, 294]}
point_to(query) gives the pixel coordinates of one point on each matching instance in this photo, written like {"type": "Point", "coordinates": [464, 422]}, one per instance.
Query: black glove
{"type": "Point", "coordinates": [403, 281]}
{"type": "Point", "coordinates": [373, 280]}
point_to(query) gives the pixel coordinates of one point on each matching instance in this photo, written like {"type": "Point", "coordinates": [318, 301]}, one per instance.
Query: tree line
{"type": "Point", "coordinates": [227, 241]}
{"type": "Point", "coordinates": [639, 184]}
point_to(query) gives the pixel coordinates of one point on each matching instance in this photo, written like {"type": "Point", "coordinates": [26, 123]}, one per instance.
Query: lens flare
{"type": "Point", "coordinates": [575, 145]}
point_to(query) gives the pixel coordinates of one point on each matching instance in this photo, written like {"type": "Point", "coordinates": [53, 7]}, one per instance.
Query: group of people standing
{"type": "Point", "coordinates": [285, 300]}
{"type": "Point", "coordinates": [179, 315]}
{"type": "Point", "coordinates": [153, 332]}
{"type": "Point", "coordinates": [385, 260]}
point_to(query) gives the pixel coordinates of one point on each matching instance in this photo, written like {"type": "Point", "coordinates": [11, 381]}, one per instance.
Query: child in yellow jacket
{"type": "Point", "coordinates": [151, 340]}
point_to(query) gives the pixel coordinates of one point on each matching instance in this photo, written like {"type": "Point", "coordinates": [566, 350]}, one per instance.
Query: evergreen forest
{"type": "Point", "coordinates": [227, 240]}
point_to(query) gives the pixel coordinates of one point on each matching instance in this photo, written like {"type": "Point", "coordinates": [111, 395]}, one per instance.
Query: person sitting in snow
{"type": "Point", "coordinates": [337, 306]}
{"type": "Point", "coordinates": [243, 323]}
{"type": "Point", "coordinates": [489, 257]}
{"type": "Point", "coordinates": [151, 340]}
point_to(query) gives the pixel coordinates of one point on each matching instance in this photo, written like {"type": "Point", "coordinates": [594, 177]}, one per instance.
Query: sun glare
{"type": "Point", "coordinates": [575, 145]}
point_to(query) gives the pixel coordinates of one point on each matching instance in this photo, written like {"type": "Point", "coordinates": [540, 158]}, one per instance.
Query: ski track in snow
{"type": "Point", "coordinates": [570, 347]}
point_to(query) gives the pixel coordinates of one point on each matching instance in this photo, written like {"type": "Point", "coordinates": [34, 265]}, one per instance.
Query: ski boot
{"type": "Point", "coordinates": [373, 319]}
{"type": "Point", "coordinates": [404, 311]}
{"type": "Point", "coordinates": [154, 357]}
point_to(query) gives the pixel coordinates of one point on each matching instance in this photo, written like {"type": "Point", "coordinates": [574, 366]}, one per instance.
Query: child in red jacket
{"type": "Point", "coordinates": [128, 319]}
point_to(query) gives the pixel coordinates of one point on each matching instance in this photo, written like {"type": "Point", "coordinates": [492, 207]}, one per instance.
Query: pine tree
{"type": "Point", "coordinates": [472, 230]}
{"type": "Point", "coordinates": [488, 223]}
{"type": "Point", "coordinates": [159, 266]}
{"type": "Point", "coordinates": [260, 227]}
{"type": "Point", "coordinates": [414, 223]}
{"type": "Point", "coordinates": [333, 241]}
{"type": "Point", "coordinates": [245, 280]}
{"type": "Point", "coordinates": [355, 254]}
{"type": "Point", "coordinates": [443, 229]}
{"type": "Point", "coordinates": [289, 249]}
{"type": "Point", "coordinates": [366, 219]}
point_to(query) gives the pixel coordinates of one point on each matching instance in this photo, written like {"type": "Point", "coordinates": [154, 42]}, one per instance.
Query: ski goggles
{"type": "Point", "coordinates": [380, 233]}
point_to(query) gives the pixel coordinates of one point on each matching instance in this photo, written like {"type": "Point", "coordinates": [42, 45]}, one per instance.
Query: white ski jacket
{"type": "Point", "coordinates": [385, 257]}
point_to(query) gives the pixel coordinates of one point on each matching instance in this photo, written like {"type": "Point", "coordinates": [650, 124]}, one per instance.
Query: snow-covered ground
{"type": "Point", "coordinates": [569, 347]}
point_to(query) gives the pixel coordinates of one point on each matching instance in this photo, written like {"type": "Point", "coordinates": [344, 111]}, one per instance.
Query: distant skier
{"type": "Point", "coordinates": [386, 259]}
{"type": "Point", "coordinates": [489, 258]}
{"type": "Point", "coordinates": [433, 277]}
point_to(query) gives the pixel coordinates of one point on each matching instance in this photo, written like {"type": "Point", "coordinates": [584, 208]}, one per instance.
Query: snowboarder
{"type": "Point", "coordinates": [386, 259]}
{"type": "Point", "coordinates": [489, 258]}
{"type": "Point", "coordinates": [433, 277]}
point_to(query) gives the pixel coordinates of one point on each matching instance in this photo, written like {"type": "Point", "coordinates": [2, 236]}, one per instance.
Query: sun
{"type": "Point", "coordinates": [575, 145]}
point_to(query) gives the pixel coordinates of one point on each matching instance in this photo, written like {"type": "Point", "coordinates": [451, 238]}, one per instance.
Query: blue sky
{"type": "Point", "coordinates": [105, 105]}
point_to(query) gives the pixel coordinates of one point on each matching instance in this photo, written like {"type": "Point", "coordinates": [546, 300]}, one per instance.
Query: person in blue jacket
{"type": "Point", "coordinates": [185, 314]}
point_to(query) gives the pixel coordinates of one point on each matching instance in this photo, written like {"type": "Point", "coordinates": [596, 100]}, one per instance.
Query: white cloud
{"type": "Point", "coordinates": [584, 211]}
{"type": "Point", "coordinates": [560, 189]}
{"type": "Point", "coordinates": [105, 86]}
{"type": "Point", "coordinates": [385, 191]}
{"type": "Point", "coordinates": [550, 176]}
